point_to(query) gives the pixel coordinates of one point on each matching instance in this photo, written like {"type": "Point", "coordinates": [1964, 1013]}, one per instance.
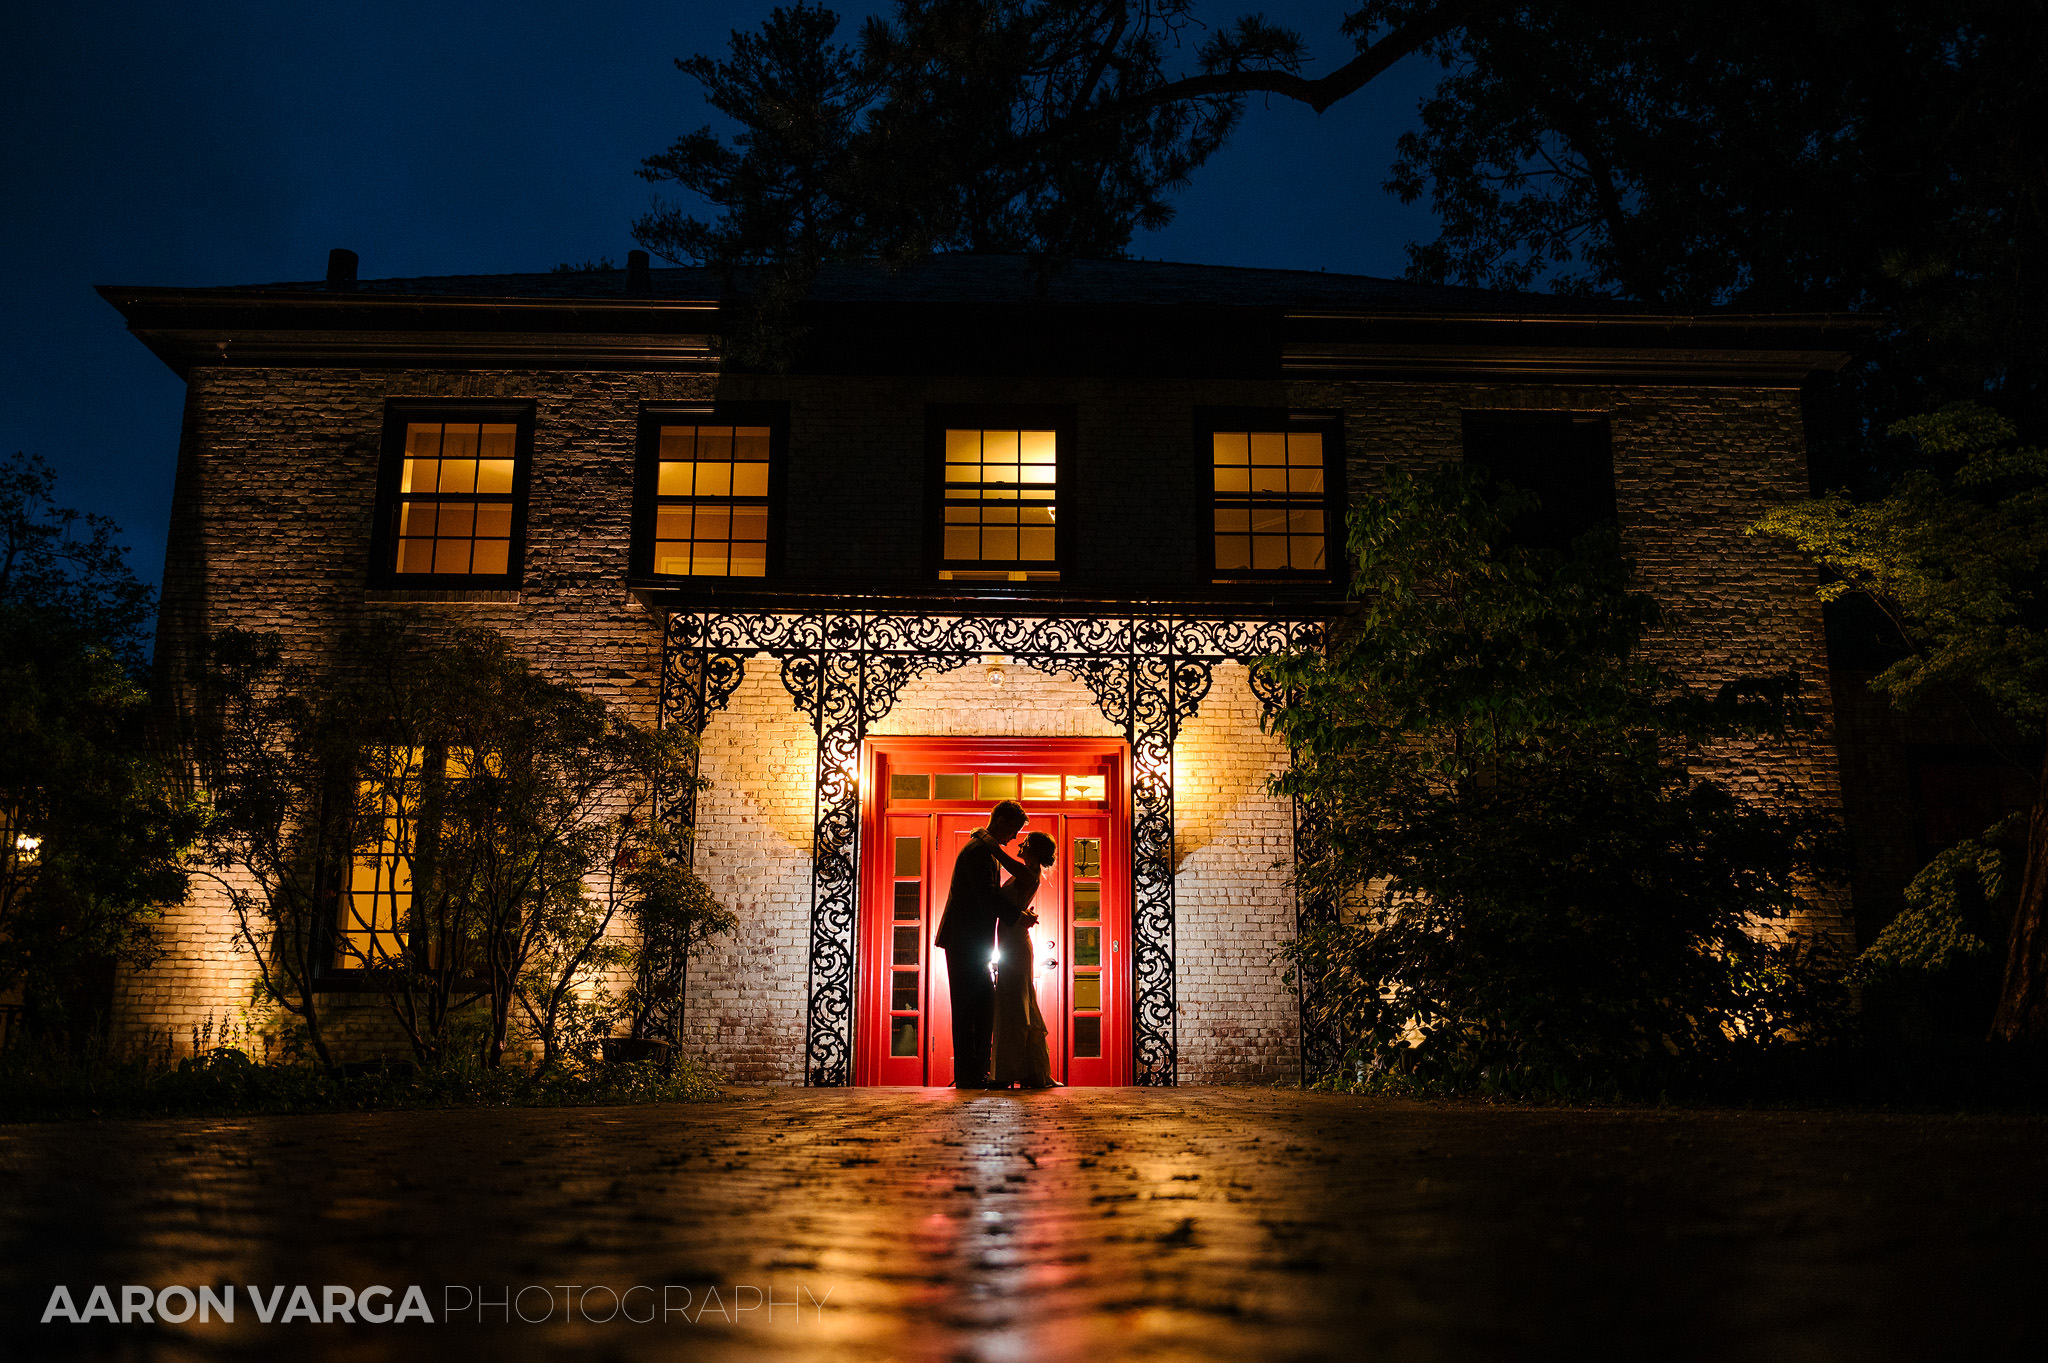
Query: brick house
{"type": "Point", "coordinates": [993, 534]}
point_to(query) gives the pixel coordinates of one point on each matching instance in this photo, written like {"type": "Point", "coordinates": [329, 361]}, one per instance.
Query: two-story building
{"type": "Point", "coordinates": [996, 533]}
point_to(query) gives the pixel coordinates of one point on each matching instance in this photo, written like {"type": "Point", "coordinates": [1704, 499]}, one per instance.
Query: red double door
{"type": "Point", "coordinates": [923, 798]}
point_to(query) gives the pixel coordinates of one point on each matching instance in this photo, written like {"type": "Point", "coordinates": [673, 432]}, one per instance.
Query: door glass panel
{"type": "Point", "coordinates": [953, 785]}
{"type": "Point", "coordinates": [1087, 991]}
{"type": "Point", "coordinates": [1087, 902]}
{"type": "Point", "coordinates": [1087, 856]}
{"type": "Point", "coordinates": [902, 787]}
{"type": "Point", "coordinates": [903, 1036]}
{"type": "Point", "coordinates": [1088, 1037]}
{"type": "Point", "coordinates": [909, 856]}
{"type": "Point", "coordinates": [998, 786]}
{"type": "Point", "coordinates": [1085, 788]}
{"type": "Point", "coordinates": [906, 946]}
{"type": "Point", "coordinates": [1041, 788]}
{"type": "Point", "coordinates": [903, 992]}
{"type": "Point", "coordinates": [1087, 946]}
{"type": "Point", "coordinates": [906, 899]}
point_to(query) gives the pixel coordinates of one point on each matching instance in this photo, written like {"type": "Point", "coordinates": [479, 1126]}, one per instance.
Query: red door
{"type": "Point", "coordinates": [924, 798]}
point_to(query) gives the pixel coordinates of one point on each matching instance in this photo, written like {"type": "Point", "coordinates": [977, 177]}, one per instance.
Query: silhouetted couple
{"type": "Point", "coordinates": [998, 1031]}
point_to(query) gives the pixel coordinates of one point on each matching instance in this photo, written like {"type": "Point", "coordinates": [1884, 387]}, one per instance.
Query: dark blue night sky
{"type": "Point", "coordinates": [215, 143]}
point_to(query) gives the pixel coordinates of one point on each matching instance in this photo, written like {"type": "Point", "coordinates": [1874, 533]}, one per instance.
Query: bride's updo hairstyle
{"type": "Point", "coordinates": [1040, 849]}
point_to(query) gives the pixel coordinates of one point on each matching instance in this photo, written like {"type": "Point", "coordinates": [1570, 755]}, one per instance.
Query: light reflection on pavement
{"type": "Point", "coordinates": [1102, 1225]}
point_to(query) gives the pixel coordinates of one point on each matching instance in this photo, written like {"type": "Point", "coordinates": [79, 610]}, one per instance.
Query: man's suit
{"type": "Point", "coordinates": [967, 934]}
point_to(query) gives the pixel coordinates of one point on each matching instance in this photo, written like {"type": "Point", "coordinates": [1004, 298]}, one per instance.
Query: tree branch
{"type": "Point", "coordinates": [1318, 93]}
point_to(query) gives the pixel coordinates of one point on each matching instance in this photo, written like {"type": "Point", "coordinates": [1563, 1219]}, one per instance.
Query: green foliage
{"type": "Point", "coordinates": [1540, 892]}
{"type": "Point", "coordinates": [1948, 914]}
{"type": "Point", "coordinates": [90, 830]}
{"type": "Point", "coordinates": [1931, 976]}
{"type": "Point", "coordinates": [1953, 555]}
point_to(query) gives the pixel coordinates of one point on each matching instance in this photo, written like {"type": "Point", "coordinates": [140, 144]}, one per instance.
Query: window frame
{"type": "Point", "coordinates": [398, 414]}
{"type": "Point", "coordinates": [1327, 422]}
{"type": "Point", "coordinates": [1599, 421]}
{"type": "Point", "coordinates": [942, 417]}
{"type": "Point", "coordinates": [647, 479]}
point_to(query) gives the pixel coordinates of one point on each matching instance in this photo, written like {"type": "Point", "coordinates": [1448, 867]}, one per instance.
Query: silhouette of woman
{"type": "Point", "coordinates": [1020, 1050]}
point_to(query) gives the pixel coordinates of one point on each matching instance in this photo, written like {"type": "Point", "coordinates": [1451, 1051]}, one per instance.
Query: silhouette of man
{"type": "Point", "coordinates": [967, 934]}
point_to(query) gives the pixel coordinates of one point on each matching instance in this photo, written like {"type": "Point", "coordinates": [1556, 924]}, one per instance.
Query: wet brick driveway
{"type": "Point", "coordinates": [1102, 1225]}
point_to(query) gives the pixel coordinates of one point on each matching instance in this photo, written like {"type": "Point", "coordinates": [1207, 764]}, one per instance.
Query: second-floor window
{"type": "Point", "coordinates": [454, 496]}
{"type": "Point", "coordinates": [1273, 510]}
{"type": "Point", "coordinates": [1564, 459]}
{"type": "Point", "coordinates": [708, 480]}
{"type": "Point", "coordinates": [1000, 503]}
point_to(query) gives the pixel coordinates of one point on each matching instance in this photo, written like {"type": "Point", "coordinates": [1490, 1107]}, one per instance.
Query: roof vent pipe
{"type": "Point", "coordinates": [638, 278]}
{"type": "Point", "coordinates": [341, 270]}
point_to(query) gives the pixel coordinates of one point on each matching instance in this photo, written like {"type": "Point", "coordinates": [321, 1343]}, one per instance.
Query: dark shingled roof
{"type": "Point", "coordinates": [1013, 279]}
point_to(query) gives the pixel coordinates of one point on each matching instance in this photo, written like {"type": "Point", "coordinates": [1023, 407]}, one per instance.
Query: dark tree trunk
{"type": "Point", "coordinates": [2023, 999]}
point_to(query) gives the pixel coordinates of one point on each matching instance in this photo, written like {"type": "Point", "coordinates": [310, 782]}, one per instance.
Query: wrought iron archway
{"type": "Point", "coordinates": [846, 670]}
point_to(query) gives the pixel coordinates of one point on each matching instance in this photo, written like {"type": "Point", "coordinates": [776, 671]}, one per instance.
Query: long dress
{"type": "Point", "coordinates": [1020, 1050]}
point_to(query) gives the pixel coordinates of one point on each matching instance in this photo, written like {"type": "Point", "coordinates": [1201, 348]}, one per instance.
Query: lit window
{"type": "Point", "coordinates": [711, 501]}
{"type": "Point", "coordinates": [379, 894]}
{"type": "Point", "coordinates": [455, 498]}
{"type": "Point", "coordinates": [1272, 502]}
{"type": "Point", "coordinates": [1000, 496]}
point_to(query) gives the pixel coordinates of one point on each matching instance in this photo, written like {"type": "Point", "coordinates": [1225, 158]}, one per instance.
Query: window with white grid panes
{"type": "Point", "coordinates": [711, 500]}
{"type": "Point", "coordinates": [1000, 505]}
{"type": "Point", "coordinates": [455, 499]}
{"type": "Point", "coordinates": [1272, 508]}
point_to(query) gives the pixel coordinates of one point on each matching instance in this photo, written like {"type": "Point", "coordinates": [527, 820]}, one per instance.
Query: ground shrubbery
{"type": "Point", "coordinates": [38, 1085]}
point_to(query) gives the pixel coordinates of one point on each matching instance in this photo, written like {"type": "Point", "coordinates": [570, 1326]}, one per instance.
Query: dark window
{"type": "Point", "coordinates": [452, 495]}
{"type": "Point", "coordinates": [998, 481]}
{"type": "Point", "coordinates": [1274, 480]}
{"type": "Point", "coordinates": [1563, 458]}
{"type": "Point", "coordinates": [710, 483]}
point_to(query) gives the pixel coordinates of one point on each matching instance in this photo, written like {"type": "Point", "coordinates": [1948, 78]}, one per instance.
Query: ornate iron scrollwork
{"type": "Point", "coordinates": [846, 670]}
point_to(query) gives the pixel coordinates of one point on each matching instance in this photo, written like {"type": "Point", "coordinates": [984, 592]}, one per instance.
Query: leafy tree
{"type": "Point", "coordinates": [1955, 556]}
{"type": "Point", "coordinates": [1041, 126]}
{"type": "Point", "coordinates": [512, 815]}
{"type": "Point", "coordinates": [1881, 155]}
{"type": "Point", "coordinates": [1542, 890]}
{"type": "Point", "coordinates": [90, 829]}
{"type": "Point", "coordinates": [1931, 972]}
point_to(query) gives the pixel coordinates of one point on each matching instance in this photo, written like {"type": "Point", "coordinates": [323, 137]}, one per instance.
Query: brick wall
{"type": "Point", "coordinates": [745, 1006]}
{"type": "Point", "coordinates": [1232, 845]}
